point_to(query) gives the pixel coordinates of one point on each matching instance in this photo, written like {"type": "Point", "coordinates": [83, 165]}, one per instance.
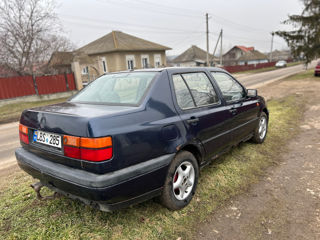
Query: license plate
{"type": "Point", "coordinates": [46, 138]}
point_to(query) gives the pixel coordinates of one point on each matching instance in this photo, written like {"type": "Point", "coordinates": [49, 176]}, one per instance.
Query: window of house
{"type": "Point", "coordinates": [157, 60]}
{"type": "Point", "coordinates": [85, 70]}
{"type": "Point", "coordinates": [130, 62]}
{"type": "Point", "coordinates": [144, 61]}
{"type": "Point", "coordinates": [104, 65]}
{"type": "Point", "coordinates": [201, 88]}
{"type": "Point", "coordinates": [230, 88]}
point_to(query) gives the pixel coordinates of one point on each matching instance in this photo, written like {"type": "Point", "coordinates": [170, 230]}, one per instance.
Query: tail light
{"type": "Point", "coordinates": [90, 149]}
{"type": "Point", "coordinates": [23, 134]}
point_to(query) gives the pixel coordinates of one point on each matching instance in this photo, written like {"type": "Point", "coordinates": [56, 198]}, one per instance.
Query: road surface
{"type": "Point", "coordinates": [9, 141]}
{"type": "Point", "coordinates": [9, 138]}
{"type": "Point", "coordinates": [260, 79]}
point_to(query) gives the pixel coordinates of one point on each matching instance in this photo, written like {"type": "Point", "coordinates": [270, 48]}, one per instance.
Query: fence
{"type": "Point", "coordinates": [14, 87]}
{"type": "Point", "coordinates": [241, 68]}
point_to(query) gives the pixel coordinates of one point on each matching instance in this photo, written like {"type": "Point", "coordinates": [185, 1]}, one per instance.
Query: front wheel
{"type": "Point", "coordinates": [261, 130]}
{"type": "Point", "coordinates": [181, 181]}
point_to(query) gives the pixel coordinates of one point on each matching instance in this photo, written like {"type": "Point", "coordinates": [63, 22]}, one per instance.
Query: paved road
{"type": "Point", "coordinates": [9, 141]}
{"type": "Point", "coordinates": [259, 79]}
{"type": "Point", "coordinates": [9, 138]}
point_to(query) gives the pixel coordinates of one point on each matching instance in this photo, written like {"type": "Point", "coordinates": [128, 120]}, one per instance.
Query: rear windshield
{"type": "Point", "coordinates": [120, 88]}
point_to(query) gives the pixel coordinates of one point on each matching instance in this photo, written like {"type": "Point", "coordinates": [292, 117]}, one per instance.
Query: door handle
{"type": "Point", "coordinates": [193, 120]}
{"type": "Point", "coordinates": [233, 111]}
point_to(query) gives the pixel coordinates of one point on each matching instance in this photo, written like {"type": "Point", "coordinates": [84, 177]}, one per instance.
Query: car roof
{"type": "Point", "coordinates": [175, 69]}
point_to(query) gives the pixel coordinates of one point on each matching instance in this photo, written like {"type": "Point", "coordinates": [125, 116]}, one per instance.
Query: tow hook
{"type": "Point", "coordinates": [37, 188]}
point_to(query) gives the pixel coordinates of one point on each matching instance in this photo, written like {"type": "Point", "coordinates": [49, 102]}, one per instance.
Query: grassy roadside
{"type": "Point", "coordinates": [267, 69]}
{"type": "Point", "coordinates": [11, 112]}
{"type": "Point", "coordinates": [23, 217]}
{"type": "Point", "coordinates": [305, 75]}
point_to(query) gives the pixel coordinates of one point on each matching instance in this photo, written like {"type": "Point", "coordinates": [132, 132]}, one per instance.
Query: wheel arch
{"type": "Point", "coordinates": [195, 150]}
{"type": "Point", "coordinates": [265, 110]}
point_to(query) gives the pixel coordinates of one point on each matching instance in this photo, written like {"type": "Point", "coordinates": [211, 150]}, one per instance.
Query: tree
{"type": "Point", "coordinates": [29, 33]}
{"type": "Point", "coordinates": [305, 38]}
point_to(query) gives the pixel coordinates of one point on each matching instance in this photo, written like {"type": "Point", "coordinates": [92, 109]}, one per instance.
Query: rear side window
{"type": "Point", "coordinates": [231, 90]}
{"type": "Point", "coordinates": [183, 95]}
{"type": "Point", "coordinates": [201, 88]}
{"type": "Point", "coordinates": [194, 90]}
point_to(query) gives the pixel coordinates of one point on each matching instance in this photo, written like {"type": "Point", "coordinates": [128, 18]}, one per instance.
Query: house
{"type": "Point", "coordinates": [280, 55]}
{"type": "Point", "coordinates": [60, 62]}
{"type": "Point", "coordinates": [169, 60]}
{"type": "Point", "coordinates": [7, 72]}
{"type": "Point", "coordinates": [116, 51]}
{"type": "Point", "coordinates": [240, 55]}
{"type": "Point", "coordinates": [193, 56]}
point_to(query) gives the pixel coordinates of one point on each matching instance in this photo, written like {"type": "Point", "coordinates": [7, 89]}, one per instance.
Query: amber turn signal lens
{"type": "Point", "coordinates": [71, 141]}
{"type": "Point", "coordinates": [96, 142]}
{"type": "Point", "coordinates": [23, 129]}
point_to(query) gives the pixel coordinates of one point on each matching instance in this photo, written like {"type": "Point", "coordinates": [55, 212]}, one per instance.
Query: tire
{"type": "Point", "coordinates": [260, 134]}
{"type": "Point", "coordinates": [175, 199]}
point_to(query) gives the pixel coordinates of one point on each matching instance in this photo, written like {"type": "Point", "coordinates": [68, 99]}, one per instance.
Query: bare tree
{"type": "Point", "coordinates": [29, 33]}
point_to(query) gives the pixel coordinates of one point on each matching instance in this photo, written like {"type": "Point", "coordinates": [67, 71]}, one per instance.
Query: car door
{"type": "Point", "coordinates": [244, 110]}
{"type": "Point", "coordinates": [202, 112]}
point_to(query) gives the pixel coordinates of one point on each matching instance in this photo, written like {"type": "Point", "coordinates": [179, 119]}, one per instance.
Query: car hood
{"type": "Point", "coordinates": [76, 119]}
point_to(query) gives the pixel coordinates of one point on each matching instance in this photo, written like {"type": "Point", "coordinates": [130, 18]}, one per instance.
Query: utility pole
{"type": "Point", "coordinates": [215, 48]}
{"type": "Point", "coordinates": [207, 32]}
{"type": "Point", "coordinates": [221, 47]}
{"type": "Point", "coordinates": [272, 35]}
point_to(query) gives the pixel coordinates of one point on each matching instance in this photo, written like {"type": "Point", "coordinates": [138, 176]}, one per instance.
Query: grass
{"type": "Point", "coordinates": [24, 217]}
{"type": "Point", "coordinates": [267, 69]}
{"type": "Point", "coordinates": [305, 75]}
{"type": "Point", "coordinates": [11, 112]}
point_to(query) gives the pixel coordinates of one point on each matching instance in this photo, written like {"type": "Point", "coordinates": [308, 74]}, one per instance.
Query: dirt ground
{"type": "Point", "coordinates": [285, 204]}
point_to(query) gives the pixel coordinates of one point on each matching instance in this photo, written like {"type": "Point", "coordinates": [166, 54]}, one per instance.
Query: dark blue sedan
{"type": "Point", "coordinates": [135, 135]}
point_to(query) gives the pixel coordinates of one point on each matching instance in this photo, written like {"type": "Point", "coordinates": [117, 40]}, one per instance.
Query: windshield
{"type": "Point", "coordinates": [120, 88]}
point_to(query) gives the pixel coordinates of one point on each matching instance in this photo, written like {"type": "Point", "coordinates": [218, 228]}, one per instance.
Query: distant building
{"type": "Point", "coordinates": [280, 55]}
{"type": "Point", "coordinates": [240, 55]}
{"type": "Point", "coordinates": [60, 62]}
{"type": "Point", "coordinates": [170, 59]}
{"type": "Point", "coordinates": [192, 57]}
{"type": "Point", "coordinates": [7, 72]}
{"type": "Point", "coordinates": [116, 51]}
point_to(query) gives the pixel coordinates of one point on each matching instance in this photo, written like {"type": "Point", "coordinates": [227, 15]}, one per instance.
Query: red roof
{"type": "Point", "coordinates": [245, 49]}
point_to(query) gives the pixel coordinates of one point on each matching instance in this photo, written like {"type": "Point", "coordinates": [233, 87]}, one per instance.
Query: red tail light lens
{"type": "Point", "coordinates": [72, 152]}
{"type": "Point", "coordinates": [23, 134]}
{"type": "Point", "coordinates": [96, 155]}
{"type": "Point", "coordinates": [90, 149]}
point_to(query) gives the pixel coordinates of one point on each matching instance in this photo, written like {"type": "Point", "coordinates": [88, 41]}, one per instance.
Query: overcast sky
{"type": "Point", "coordinates": [179, 23]}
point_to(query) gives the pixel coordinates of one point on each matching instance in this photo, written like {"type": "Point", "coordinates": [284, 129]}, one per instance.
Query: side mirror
{"type": "Point", "coordinates": [252, 92]}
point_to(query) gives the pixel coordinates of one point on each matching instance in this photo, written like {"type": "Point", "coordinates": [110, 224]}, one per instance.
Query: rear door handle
{"type": "Point", "coordinates": [233, 111]}
{"type": "Point", "coordinates": [193, 120]}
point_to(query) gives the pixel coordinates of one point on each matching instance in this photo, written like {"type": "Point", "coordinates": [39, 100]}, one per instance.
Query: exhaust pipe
{"type": "Point", "coordinates": [37, 188]}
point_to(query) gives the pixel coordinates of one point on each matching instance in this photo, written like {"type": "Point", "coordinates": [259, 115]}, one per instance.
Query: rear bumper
{"type": "Point", "coordinates": [109, 191]}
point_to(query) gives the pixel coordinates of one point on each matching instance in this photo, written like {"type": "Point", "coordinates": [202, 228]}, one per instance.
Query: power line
{"type": "Point", "coordinates": [99, 22]}
{"type": "Point", "coordinates": [199, 13]}
{"type": "Point", "coordinates": [143, 7]}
